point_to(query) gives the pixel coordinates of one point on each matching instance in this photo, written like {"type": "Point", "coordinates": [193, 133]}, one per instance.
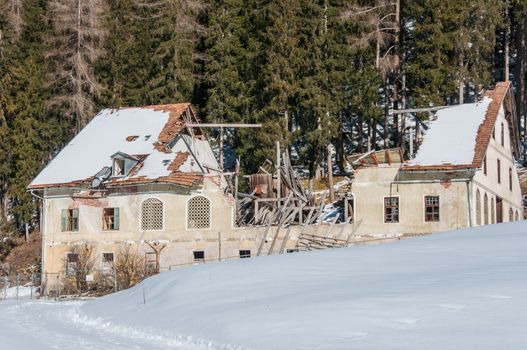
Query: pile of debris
{"type": "Point", "coordinates": [277, 197]}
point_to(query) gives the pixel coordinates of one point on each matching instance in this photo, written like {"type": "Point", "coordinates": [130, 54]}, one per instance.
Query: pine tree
{"type": "Point", "coordinates": [34, 132]}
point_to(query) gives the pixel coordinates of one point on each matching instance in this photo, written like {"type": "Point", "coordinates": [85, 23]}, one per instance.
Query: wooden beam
{"type": "Point", "coordinates": [222, 125]}
{"type": "Point", "coordinates": [374, 157]}
{"type": "Point", "coordinates": [388, 158]}
{"type": "Point", "coordinates": [416, 110]}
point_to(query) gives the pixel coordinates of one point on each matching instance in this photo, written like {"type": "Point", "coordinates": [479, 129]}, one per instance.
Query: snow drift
{"type": "Point", "coordinates": [463, 289]}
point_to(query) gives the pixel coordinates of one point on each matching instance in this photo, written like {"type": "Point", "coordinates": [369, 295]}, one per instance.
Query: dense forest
{"type": "Point", "coordinates": [313, 72]}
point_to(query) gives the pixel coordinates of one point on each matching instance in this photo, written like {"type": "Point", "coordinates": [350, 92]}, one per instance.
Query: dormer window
{"type": "Point", "coordinates": [118, 167]}
{"type": "Point", "coordinates": [122, 163]}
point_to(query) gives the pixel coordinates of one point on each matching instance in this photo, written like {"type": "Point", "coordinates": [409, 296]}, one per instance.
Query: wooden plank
{"type": "Point", "coordinates": [222, 125]}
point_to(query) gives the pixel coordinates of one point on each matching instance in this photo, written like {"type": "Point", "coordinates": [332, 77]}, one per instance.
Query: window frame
{"type": "Point", "coordinates": [198, 260]}
{"type": "Point", "coordinates": [68, 219]}
{"type": "Point", "coordinates": [187, 213]}
{"type": "Point", "coordinates": [426, 206]}
{"type": "Point", "coordinates": [498, 169]}
{"type": "Point", "coordinates": [384, 210]}
{"type": "Point", "coordinates": [120, 161]}
{"type": "Point", "coordinates": [141, 229]}
{"type": "Point", "coordinates": [69, 270]}
{"type": "Point", "coordinates": [244, 256]}
{"type": "Point", "coordinates": [510, 179]}
{"type": "Point", "coordinates": [116, 219]}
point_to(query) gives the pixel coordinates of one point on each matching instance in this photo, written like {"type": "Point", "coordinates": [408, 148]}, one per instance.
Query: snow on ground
{"type": "Point", "coordinates": [20, 292]}
{"type": "Point", "coordinates": [457, 290]}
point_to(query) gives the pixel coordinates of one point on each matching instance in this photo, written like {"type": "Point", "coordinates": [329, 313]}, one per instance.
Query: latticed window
{"type": "Point", "coordinates": [152, 215]}
{"type": "Point", "coordinates": [478, 208]}
{"type": "Point", "coordinates": [198, 212]}
{"type": "Point", "coordinates": [431, 208]}
{"type": "Point", "coordinates": [391, 209]}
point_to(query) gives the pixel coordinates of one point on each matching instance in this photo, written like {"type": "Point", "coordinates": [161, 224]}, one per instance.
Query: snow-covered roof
{"type": "Point", "coordinates": [155, 136]}
{"type": "Point", "coordinates": [459, 136]}
{"type": "Point", "coordinates": [451, 138]}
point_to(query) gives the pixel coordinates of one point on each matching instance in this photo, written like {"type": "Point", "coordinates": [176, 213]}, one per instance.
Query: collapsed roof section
{"type": "Point", "coordinates": [161, 148]}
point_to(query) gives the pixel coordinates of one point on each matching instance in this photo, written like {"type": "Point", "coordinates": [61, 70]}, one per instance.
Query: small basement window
{"type": "Point", "coordinates": [391, 209]}
{"type": "Point", "coordinates": [110, 219]}
{"type": "Point", "coordinates": [118, 167]}
{"type": "Point", "coordinates": [431, 208]}
{"type": "Point", "coordinates": [245, 254]}
{"type": "Point", "coordinates": [72, 262]}
{"type": "Point", "coordinates": [69, 220]}
{"type": "Point", "coordinates": [107, 257]}
{"type": "Point", "coordinates": [199, 256]}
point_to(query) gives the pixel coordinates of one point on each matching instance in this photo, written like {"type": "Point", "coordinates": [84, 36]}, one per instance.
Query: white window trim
{"type": "Point", "coordinates": [424, 208]}
{"type": "Point", "coordinates": [141, 214]}
{"type": "Point", "coordinates": [383, 213]}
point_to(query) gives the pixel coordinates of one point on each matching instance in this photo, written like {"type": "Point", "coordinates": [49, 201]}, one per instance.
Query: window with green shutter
{"type": "Point", "coordinates": [69, 220]}
{"type": "Point", "coordinates": [110, 219]}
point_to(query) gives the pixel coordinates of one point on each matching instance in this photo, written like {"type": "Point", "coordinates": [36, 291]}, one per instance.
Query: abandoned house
{"type": "Point", "coordinates": [147, 178]}
{"type": "Point", "coordinates": [463, 175]}
{"type": "Point", "coordinates": [134, 176]}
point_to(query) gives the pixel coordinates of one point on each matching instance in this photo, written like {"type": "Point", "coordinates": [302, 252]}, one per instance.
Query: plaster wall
{"type": "Point", "coordinates": [371, 185]}
{"type": "Point", "coordinates": [487, 184]}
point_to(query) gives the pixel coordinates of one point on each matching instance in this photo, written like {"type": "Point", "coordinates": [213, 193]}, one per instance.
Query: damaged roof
{"type": "Point", "coordinates": [460, 135]}
{"type": "Point", "coordinates": [154, 136]}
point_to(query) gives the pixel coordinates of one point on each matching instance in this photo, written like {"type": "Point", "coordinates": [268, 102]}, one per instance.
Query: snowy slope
{"type": "Point", "coordinates": [458, 290]}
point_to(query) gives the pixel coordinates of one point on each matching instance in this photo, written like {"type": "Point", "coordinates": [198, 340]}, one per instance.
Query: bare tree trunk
{"type": "Point", "coordinates": [397, 71]}
{"type": "Point", "coordinates": [461, 84]}
{"type": "Point", "coordinates": [386, 126]}
{"type": "Point", "coordinates": [373, 135]}
{"type": "Point", "coordinates": [507, 48]}
{"type": "Point", "coordinates": [340, 143]}
{"type": "Point", "coordinates": [521, 74]}
{"type": "Point", "coordinates": [360, 134]}
{"type": "Point", "coordinates": [330, 175]}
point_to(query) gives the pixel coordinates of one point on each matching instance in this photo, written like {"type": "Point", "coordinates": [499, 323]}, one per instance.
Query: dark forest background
{"type": "Point", "coordinates": [314, 72]}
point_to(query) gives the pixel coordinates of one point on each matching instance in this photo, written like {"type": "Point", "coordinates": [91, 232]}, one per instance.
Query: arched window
{"type": "Point", "coordinates": [152, 215]}
{"type": "Point", "coordinates": [492, 212]}
{"type": "Point", "coordinates": [198, 212]}
{"type": "Point", "coordinates": [511, 214]}
{"type": "Point", "coordinates": [478, 208]}
{"type": "Point", "coordinates": [485, 210]}
{"type": "Point", "coordinates": [516, 217]}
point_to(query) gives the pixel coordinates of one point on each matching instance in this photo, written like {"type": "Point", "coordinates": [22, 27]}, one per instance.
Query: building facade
{"type": "Point", "coordinates": [464, 174]}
